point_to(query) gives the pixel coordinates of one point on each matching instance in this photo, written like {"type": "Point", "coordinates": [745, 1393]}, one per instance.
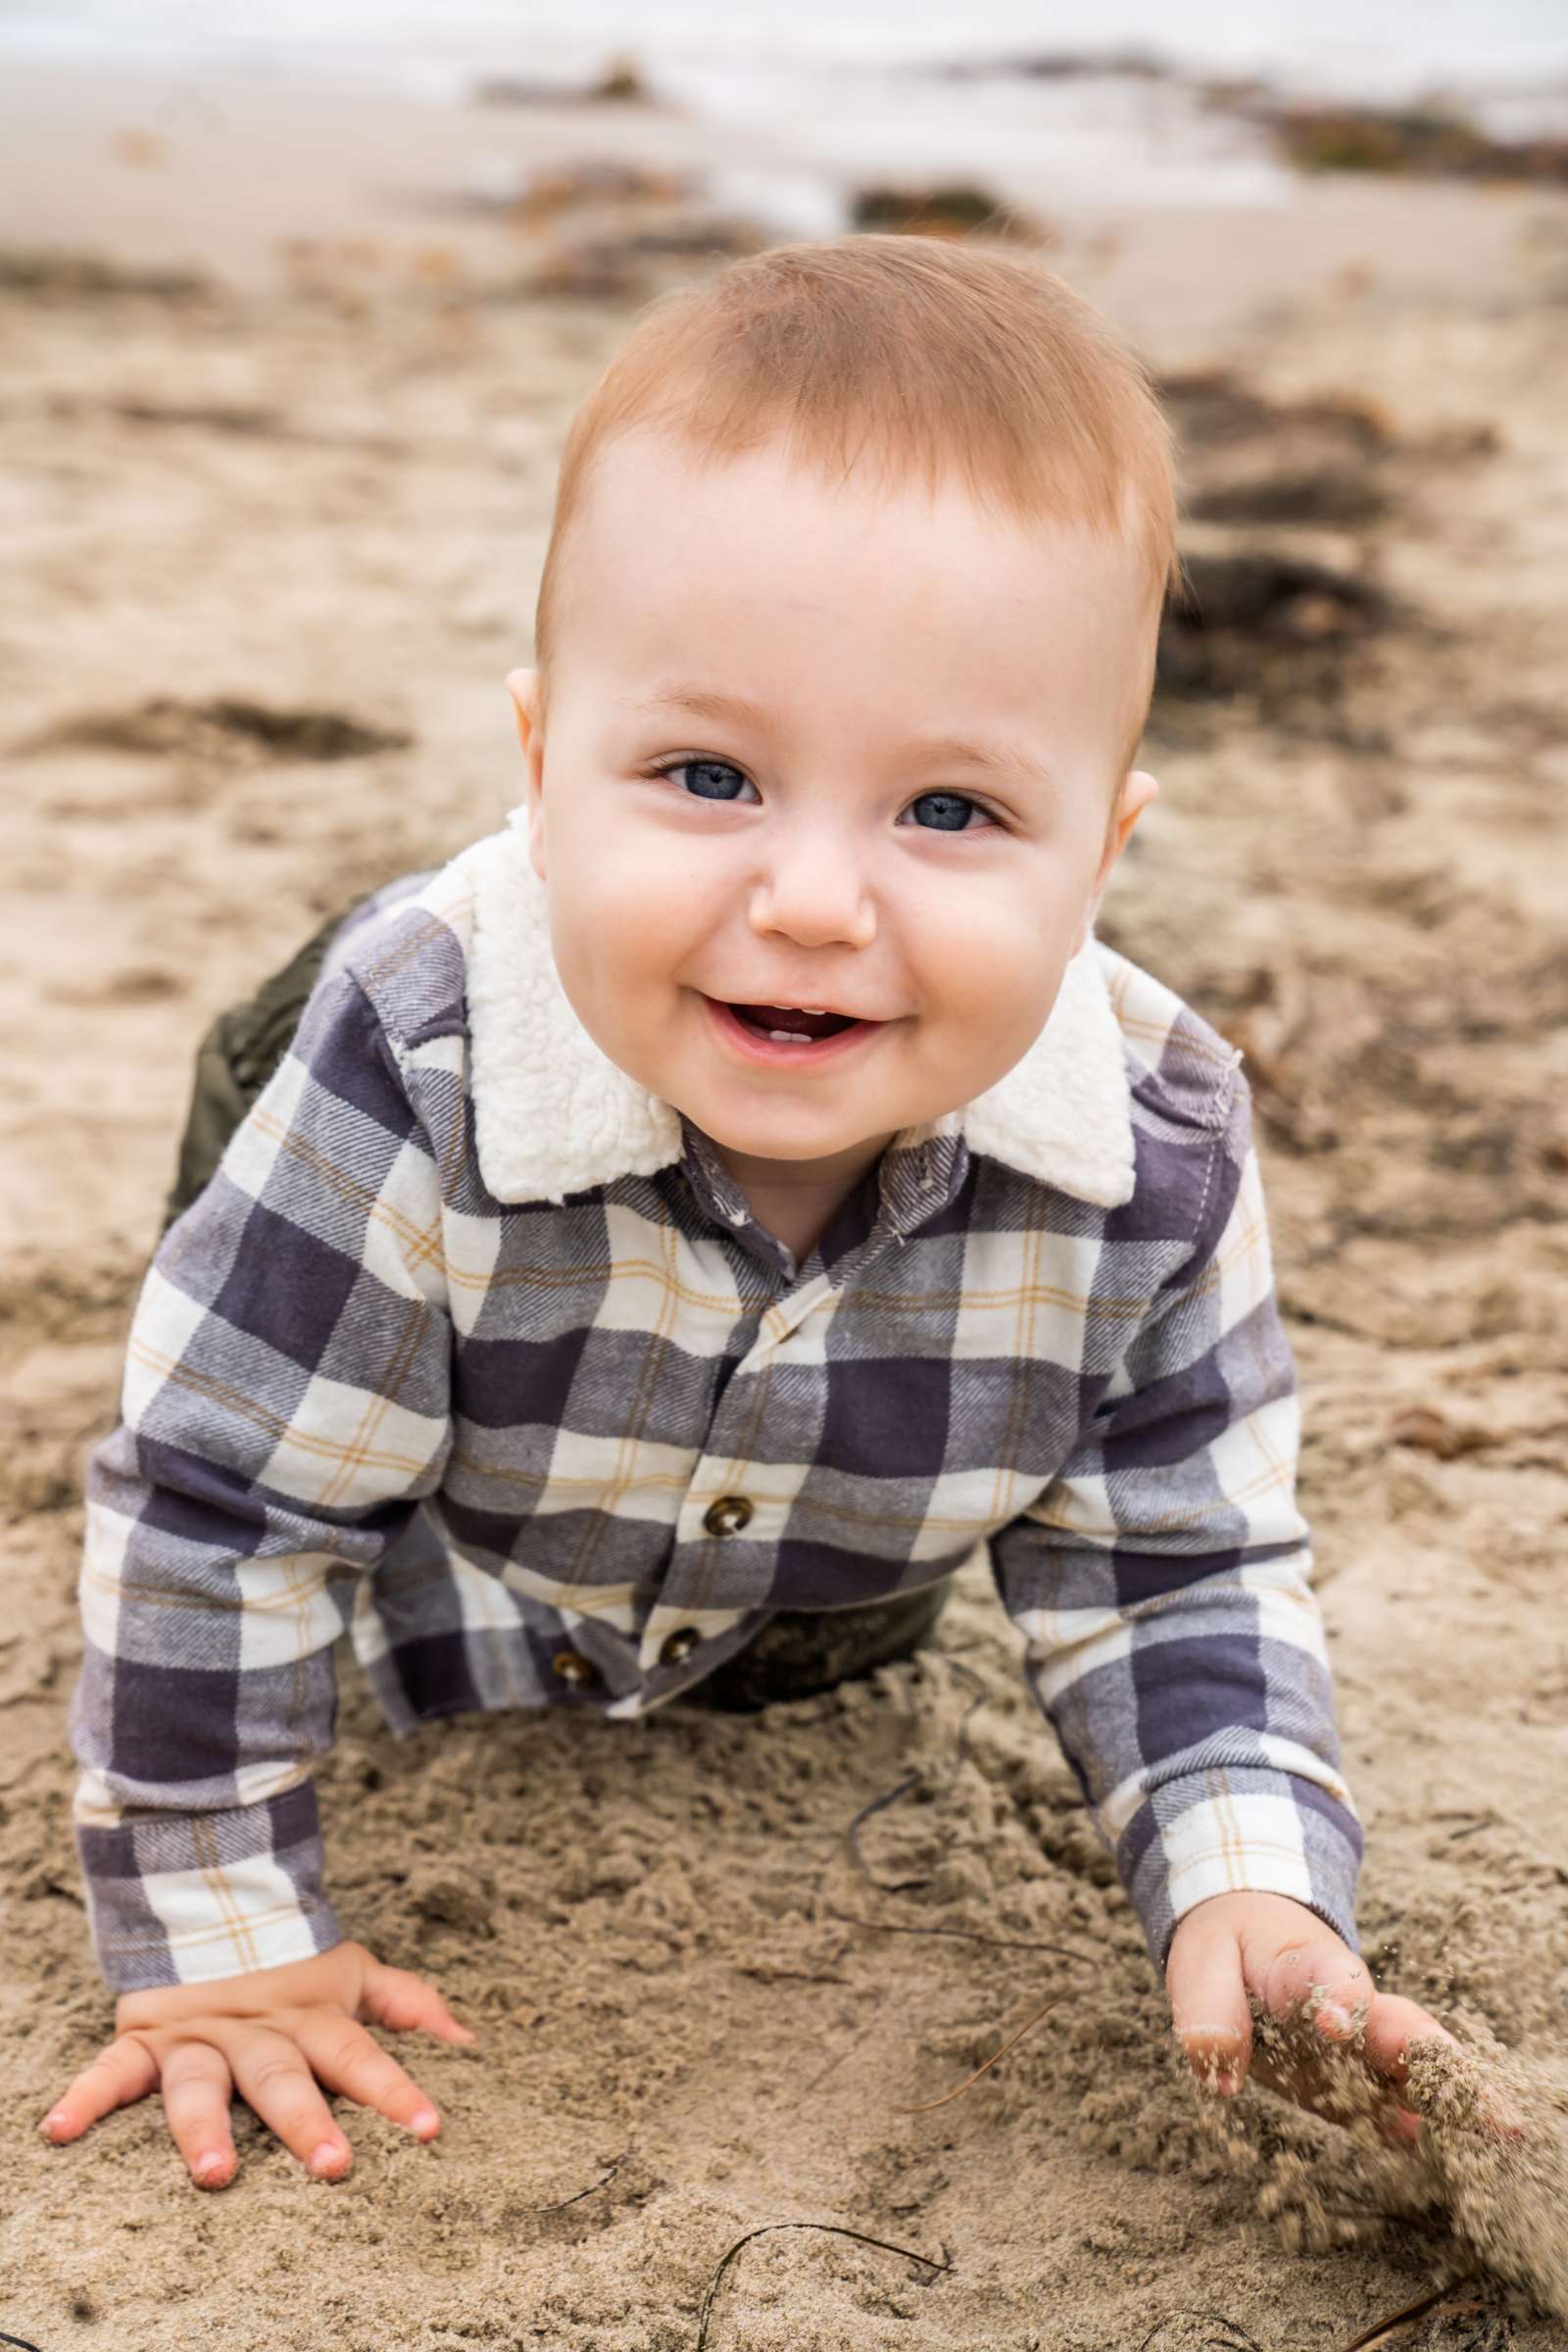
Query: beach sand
{"type": "Point", "coordinates": [298, 454]}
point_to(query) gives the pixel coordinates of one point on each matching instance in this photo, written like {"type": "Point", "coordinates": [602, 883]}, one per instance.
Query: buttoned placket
{"type": "Point", "coordinates": [701, 1615]}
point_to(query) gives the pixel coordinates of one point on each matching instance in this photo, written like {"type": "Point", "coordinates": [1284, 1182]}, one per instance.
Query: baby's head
{"type": "Point", "coordinates": [844, 649]}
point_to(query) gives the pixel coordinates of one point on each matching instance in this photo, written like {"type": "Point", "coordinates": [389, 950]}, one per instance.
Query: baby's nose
{"type": "Point", "coordinates": [816, 895]}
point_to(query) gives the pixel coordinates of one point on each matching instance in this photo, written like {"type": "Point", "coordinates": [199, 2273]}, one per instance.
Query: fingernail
{"type": "Point", "coordinates": [325, 2157]}
{"type": "Point", "coordinates": [1333, 2019]}
{"type": "Point", "coordinates": [424, 2123]}
{"type": "Point", "coordinates": [52, 2123]}
{"type": "Point", "coordinates": [205, 2166]}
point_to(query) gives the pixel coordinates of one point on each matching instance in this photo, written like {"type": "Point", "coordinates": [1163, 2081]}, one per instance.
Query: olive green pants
{"type": "Point", "coordinates": [236, 1057]}
{"type": "Point", "coordinates": [797, 1652]}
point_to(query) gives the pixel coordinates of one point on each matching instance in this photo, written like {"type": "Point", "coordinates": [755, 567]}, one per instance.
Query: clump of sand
{"type": "Point", "coordinates": [1487, 2178]}
{"type": "Point", "coordinates": [1495, 2144]}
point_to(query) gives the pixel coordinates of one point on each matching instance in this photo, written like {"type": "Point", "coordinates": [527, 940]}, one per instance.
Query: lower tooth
{"type": "Point", "coordinates": [788, 1037]}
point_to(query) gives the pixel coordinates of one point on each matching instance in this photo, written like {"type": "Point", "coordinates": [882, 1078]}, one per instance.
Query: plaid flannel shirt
{"type": "Point", "coordinates": [473, 1349]}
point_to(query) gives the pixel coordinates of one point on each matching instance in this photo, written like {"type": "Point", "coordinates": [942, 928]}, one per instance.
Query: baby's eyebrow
{"type": "Point", "coordinates": [702, 702]}
{"type": "Point", "coordinates": [996, 755]}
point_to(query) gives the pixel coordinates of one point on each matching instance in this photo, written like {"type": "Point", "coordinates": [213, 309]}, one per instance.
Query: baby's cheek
{"type": "Point", "coordinates": [647, 902]}
{"type": "Point", "coordinates": [998, 979]}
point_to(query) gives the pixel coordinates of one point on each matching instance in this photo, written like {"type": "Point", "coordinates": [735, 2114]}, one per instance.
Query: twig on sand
{"type": "Point", "coordinates": [1000, 1943]}
{"type": "Point", "coordinates": [1233, 2337]}
{"type": "Point", "coordinates": [887, 1927]}
{"type": "Point", "coordinates": [833, 2229]}
{"type": "Point", "coordinates": [561, 2204]}
{"type": "Point", "coordinates": [1437, 2300]}
{"type": "Point", "coordinates": [926, 2106]}
{"type": "Point", "coordinates": [852, 1840]}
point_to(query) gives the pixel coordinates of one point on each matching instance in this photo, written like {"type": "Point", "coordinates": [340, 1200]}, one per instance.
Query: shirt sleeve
{"type": "Point", "coordinates": [1162, 1583]}
{"type": "Point", "coordinates": [285, 1406]}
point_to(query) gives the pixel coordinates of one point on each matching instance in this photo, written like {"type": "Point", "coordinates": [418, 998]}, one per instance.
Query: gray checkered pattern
{"type": "Point", "coordinates": [362, 1393]}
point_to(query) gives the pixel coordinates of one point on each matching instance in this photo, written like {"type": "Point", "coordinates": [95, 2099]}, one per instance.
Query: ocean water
{"type": "Point", "coordinates": [844, 92]}
{"type": "Point", "coordinates": [1377, 47]}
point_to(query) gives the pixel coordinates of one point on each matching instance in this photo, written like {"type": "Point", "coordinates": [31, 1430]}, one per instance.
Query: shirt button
{"type": "Point", "coordinates": [728, 1516]}
{"type": "Point", "coordinates": [680, 1645]}
{"type": "Point", "coordinates": [573, 1669]}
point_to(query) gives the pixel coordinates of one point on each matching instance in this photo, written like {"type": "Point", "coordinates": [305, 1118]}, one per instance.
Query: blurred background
{"type": "Point", "coordinates": [295, 309]}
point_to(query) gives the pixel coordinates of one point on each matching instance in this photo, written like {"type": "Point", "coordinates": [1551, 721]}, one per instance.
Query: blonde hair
{"type": "Point", "coordinates": [943, 360]}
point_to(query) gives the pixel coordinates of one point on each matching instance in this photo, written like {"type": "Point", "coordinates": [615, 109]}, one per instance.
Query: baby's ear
{"type": "Point", "coordinates": [523, 687]}
{"type": "Point", "coordinates": [1137, 790]}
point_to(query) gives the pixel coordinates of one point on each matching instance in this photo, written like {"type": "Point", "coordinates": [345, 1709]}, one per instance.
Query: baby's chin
{"type": "Point", "coordinates": [781, 1134]}
{"type": "Point", "coordinates": [768, 1116]}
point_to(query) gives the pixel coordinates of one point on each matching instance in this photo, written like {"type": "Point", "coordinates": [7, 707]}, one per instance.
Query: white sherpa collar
{"type": "Point", "coordinates": [554, 1115]}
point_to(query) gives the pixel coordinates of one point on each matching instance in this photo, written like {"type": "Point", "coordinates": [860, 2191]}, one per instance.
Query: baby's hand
{"type": "Point", "coordinates": [1280, 1952]}
{"type": "Point", "coordinates": [272, 2036]}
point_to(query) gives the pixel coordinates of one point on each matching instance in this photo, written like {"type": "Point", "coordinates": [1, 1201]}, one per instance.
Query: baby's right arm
{"type": "Point", "coordinates": [286, 1407]}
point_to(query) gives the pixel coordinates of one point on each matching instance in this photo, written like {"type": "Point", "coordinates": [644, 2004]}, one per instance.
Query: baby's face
{"type": "Point", "coordinates": [823, 748]}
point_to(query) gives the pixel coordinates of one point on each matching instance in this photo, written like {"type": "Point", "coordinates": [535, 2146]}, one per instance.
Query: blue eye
{"type": "Point", "coordinates": [951, 811]}
{"type": "Point", "coordinates": [713, 777]}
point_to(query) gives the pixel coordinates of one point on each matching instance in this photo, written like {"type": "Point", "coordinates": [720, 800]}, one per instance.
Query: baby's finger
{"type": "Point", "coordinates": [348, 2060]}
{"type": "Point", "coordinates": [196, 2093]}
{"type": "Point", "coordinates": [397, 1998]}
{"type": "Point", "coordinates": [1394, 2025]}
{"type": "Point", "coordinates": [271, 2073]}
{"type": "Point", "coordinates": [123, 2072]}
{"type": "Point", "coordinates": [1391, 2025]}
{"type": "Point", "coordinates": [1323, 1965]}
{"type": "Point", "coordinates": [1209, 2009]}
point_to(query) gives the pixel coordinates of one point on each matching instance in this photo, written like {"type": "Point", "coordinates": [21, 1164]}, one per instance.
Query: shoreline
{"type": "Point", "coordinates": [154, 171]}
{"type": "Point", "coordinates": [1374, 67]}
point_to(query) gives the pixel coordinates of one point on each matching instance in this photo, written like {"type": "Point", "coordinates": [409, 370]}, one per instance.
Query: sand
{"type": "Point", "coordinates": [321, 486]}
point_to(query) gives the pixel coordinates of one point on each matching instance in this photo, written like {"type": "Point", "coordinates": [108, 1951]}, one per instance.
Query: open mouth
{"type": "Point", "coordinates": [788, 1033]}
{"type": "Point", "coordinates": [790, 1024]}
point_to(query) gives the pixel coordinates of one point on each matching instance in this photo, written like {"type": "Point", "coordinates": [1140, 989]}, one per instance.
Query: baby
{"type": "Point", "coordinates": [687, 1227]}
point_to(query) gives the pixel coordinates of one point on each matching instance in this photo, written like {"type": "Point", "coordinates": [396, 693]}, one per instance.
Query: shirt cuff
{"type": "Point", "coordinates": [1235, 1831]}
{"type": "Point", "coordinates": [178, 1899]}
